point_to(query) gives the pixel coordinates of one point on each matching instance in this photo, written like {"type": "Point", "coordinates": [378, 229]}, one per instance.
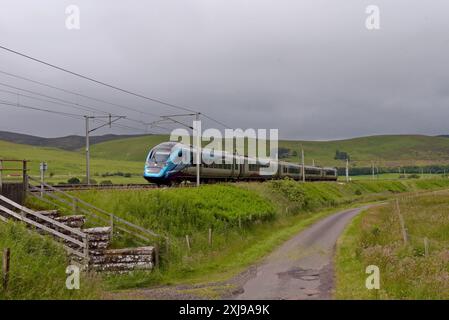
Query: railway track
{"type": "Point", "coordinates": [80, 187]}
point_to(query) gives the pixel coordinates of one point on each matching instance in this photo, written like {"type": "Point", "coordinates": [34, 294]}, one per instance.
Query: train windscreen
{"type": "Point", "coordinates": [160, 155]}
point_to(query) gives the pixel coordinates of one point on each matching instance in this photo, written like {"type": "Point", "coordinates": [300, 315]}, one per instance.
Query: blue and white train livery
{"type": "Point", "coordinates": [165, 164]}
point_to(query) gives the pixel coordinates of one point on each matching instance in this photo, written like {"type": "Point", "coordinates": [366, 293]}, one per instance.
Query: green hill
{"type": "Point", "coordinates": [387, 150]}
{"type": "Point", "coordinates": [64, 164]}
{"type": "Point", "coordinates": [130, 149]}
{"type": "Point", "coordinates": [72, 142]}
{"type": "Point", "coordinates": [128, 155]}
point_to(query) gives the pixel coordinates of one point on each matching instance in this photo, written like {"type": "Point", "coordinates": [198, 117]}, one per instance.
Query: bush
{"type": "Point", "coordinates": [290, 189]}
{"type": "Point", "coordinates": [184, 211]}
{"type": "Point", "coordinates": [127, 175]}
{"type": "Point", "coordinates": [106, 183]}
{"type": "Point", "coordinates": [74, 180]}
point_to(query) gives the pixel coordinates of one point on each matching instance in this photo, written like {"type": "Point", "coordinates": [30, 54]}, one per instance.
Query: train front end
{"type": "Point", "coordinates": [162, 163]}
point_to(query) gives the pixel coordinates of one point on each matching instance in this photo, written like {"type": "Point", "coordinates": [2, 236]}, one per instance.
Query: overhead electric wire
{"type": "Point", "coordinates": [19, 105]}
{"type": "Point", "coordinates": [97, 81]}
{"type": "Point", "coordinates": [109, 85]}
{"type": "Point", "coordinates": [67, 114]}
{"type": "Point", "coordinates": [79, 107]}
{"type": "Point", "coordinates": [77, 94]}
{"type": "Point", "coordinates": [73, 104]}
{"type": "Point", "coordinates": [62, 101]}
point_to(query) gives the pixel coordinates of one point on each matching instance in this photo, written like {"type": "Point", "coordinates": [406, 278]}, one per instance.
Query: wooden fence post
{"type": "Point", "coordinates": [25, 179]}
{"type": "Point", "coordinates": [5, 268]}
{"type": "Point", "coordinates": [426, 246]}
{"type": "Point", "coordinates": [210, 236]}
{"type": "Point", "coordinates": [1, 176]}
{"type": "Point", "coordinates": [188, 242]}
{"type": "Point", "coordinates": [86, 249]}
{"type": "Point", "coordinates": [401, 221]}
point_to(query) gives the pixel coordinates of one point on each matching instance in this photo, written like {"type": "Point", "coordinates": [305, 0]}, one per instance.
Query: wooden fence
{"type": "Point", "coordinates": [76, 240]}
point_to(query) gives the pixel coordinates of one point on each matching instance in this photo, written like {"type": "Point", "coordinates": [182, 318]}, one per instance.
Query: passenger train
{"type": "Point", "coordinates": [164, 166]}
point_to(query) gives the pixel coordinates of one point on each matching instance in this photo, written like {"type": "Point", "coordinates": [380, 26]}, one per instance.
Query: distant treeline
{"type": "Point", "coordinates": [359, 171]}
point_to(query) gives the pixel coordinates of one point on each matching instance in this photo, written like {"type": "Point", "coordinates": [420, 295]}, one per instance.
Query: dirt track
{"type": "Point", "coordinates": [302, 268]}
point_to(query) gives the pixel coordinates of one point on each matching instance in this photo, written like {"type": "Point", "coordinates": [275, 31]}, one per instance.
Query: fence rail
{"type": "Point", "coordinates": [81, 244]}
{"type": "Point", "coordinates": [79, 206]}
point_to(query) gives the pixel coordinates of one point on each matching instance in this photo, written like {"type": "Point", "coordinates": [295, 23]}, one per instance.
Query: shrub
{"type": "Point", "coordinates": [74, 180]}
{"type": "Point", "coordinates": [106, 183]}
{"type": "Point", "coordinates": [182, 211]}
{"type": "Point", "coordinates": [290, 189]}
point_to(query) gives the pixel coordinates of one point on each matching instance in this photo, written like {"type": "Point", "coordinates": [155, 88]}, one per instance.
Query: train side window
{"type": "Point", "coordinates": [293, 170]}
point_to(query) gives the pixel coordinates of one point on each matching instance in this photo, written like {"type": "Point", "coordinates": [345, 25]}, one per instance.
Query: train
{"type": "Point", "coordinates": [163, 166]}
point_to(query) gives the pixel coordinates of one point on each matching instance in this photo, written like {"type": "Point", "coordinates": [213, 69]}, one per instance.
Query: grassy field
{"type": "Point", "coordinates": [127, 155]}
{"type": "Point", "coordinates": [37, 268]}
{"type": "Point", "coordinates": [66, 164]}
{"type": "Point", "coordinates": [269, 214]}
{"type": "Point", "coordinates": [391, 176]}
{"type": "Point", "coordinates": [387, 150]}
{"type": "Point", "coordinates": [406, 272]}
{"type": "Point", "coordinates": [248, 219]}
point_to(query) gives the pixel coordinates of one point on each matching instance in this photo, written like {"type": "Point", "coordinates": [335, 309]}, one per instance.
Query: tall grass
{"type": "Point", "coordinates": [310, 196]}
{"type": "Point", "coordinates": [38, 267]}
{"type": "Point", "coordinates": [406, 272]}
{"type": "Point", "coordinates": [247, 221]}
{"type": "Point", "coordinates": [183, 211]}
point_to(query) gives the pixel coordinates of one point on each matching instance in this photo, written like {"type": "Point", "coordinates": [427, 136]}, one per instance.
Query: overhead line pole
{"type": "Point", "coordinates": [88, 131]}
{"type": "Point", "coordinates": [303, 166]}
{"type": "Point", "coordinates": [347, 169]}
{"type": "Point", "coordinates": [87, 151]}
{"type": "Point", "coordinates": [198, 150]}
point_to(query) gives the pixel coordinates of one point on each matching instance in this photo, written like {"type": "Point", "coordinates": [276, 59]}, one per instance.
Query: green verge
{"type": "Point", "coordinates": [37, 268]}
{"type": "Point", "coordinates": [406, 271]}
{"type": "Point", "coordinates": [269, 213]}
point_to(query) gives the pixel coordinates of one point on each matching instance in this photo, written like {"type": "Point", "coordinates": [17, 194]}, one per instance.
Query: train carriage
{"type": "Point", "coordinates": [172, 162]}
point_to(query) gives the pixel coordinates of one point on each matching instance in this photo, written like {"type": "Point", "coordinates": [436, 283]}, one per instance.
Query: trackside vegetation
{"type": "Point", "coordinates": [247, 220]}
{"type": "Point", "coordinates": [416, 269]}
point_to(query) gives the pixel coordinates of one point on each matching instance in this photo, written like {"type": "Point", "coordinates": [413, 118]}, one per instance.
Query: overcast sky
{"type": "Point", "coordinates": [310, 68]}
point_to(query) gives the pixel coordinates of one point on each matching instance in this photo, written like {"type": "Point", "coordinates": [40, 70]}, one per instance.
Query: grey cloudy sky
{"type": "Point", "coordinates": [307, 67]}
